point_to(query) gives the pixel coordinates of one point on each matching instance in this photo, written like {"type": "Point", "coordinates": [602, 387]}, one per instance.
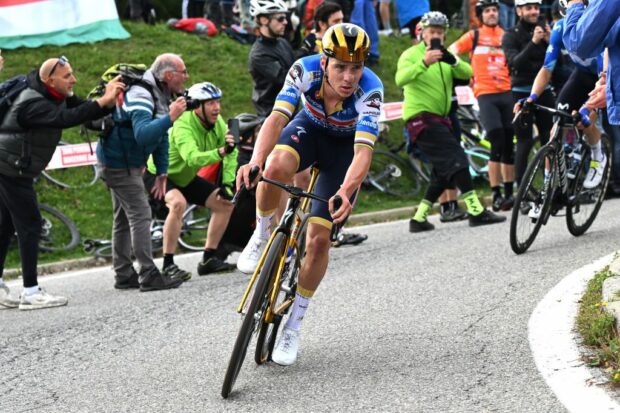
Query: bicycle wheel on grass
{"type": "Point", "coordinates": [72, 177]}
{"type": "Point", "coordinates": [392, 174]}
{"type": "Point", "coordinates": [58, 232]}
{"type": "Point", "coordinates": [255, 312]}
{"type": "Point", "coordinates": [534, 195]}
{"type": "Point", "coordinates": [584, 204]}
{"type": "Point", "coordinates": [194, 229]}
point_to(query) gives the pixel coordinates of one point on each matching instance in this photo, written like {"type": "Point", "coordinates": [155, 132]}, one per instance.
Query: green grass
{"type": "Point", "coordinates": [597, 327]}
{"type": "Point", "coordinates": [218, 59]}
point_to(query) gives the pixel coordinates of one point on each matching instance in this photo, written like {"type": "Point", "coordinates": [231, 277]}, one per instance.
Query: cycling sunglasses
{"type": "Point", "coordinates": [61, 61]}
{"type": "Point", "coordinates": [280, 19]}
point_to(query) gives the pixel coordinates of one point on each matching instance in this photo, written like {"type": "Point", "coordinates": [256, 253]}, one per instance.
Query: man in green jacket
{"type": "Point", "coordinates": [197, 139]}
{"type": "Point", "coordinates": [426, 72]}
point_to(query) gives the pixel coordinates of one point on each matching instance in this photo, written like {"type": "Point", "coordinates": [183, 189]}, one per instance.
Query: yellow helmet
{"type": "Point", "coordinates": [346, 42]}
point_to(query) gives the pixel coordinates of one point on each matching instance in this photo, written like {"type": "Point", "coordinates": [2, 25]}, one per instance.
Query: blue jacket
{"type": "Point", "coordinates": [140, 129]}
{"type": "Point", "coordinates": [587, 31]}
{"type": "Point", "coordinates": [410, 9]}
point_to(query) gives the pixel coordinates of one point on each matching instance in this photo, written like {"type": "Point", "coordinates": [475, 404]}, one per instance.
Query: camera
{"type": "Point", "coordinates": [191, 103]}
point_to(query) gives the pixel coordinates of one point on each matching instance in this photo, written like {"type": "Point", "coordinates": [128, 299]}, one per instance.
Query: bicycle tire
{"type": "Point", "coordinates": [194, 230]}
{"type": "Point", "coordinates": [257, 303]}
{"type": "Point", "coordinates": [104, 252]}
{"type": "Point", "coordinates": [393, 175]}
{"type": "Point", "coordinates": [585, 204]}
{"type": "Point", "coordinates": [58, 232]}
{"type": "Point", "coordinates": [533, 189]}
{"type": "Point", "coordinates": [269, 331]}
{"type": "Point", "coordinates": [478, 159]}
{"type": "Point", "coordinates": [72, 177]}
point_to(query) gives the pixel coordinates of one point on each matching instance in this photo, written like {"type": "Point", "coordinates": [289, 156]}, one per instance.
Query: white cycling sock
{"type": "Point", "coordinates": [597, 153]}
{"type": "Point", "coordinates": [263, 224]}
{"type": "Point", "coordinates": [31, 290]}
{"type": "Point", "coordinates": [297, 312]}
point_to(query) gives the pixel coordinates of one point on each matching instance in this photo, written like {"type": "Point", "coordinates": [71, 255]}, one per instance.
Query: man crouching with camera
{"type": "Point", "coordinates": [141, 122]}
{"type": "Point", "coordinates": [199, 138]}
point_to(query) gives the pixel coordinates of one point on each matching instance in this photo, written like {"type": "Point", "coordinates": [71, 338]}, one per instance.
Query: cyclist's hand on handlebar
{"type": "Point", "coordinates": [243, 175]}
{"type": "Point", "coordinates": [343, 212]}
{"type": "Point", "coordinates": [582, 118]}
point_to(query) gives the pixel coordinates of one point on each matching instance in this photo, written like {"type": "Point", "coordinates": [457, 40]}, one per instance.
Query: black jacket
{"type": "Point", "coordinates": [270, 60]}
{"type": "Point", "coordinates": [524, 58]}
{"type": "Point", "coordinates": [33, 126]}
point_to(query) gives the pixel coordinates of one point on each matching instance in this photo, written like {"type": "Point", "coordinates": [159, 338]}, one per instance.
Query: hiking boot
{"type": "Point", "coordinates": [497, 203]}
{"type": "Point", "coordinates": [417, 226]}
{"type": "Point", "coordinates": [248, 260]}
{"type": "Point", "coordinates": [122, 282]}
{"type": "Point", "coordinates": [452, 215]}
{"type": "Point", "coordinates": [213, 265]}
{"type": "Point", "coordinates": [285, 352]}
{"type": "Point", "coordinates": [41, 299]}
{"type": "Point", "coordinates": [6, 301]}
{"type": "Point", "coordinates": [153, 280]}
{"type": "Point", "coordinates": [508, 203]}
{"type": "Point", "coordinates": [485, 218]}
{"type": "Point", "coordinates": [595, 173]}
{"type": "Point", "coordinates": [349, 239]}
{"type": "Point", "coordinates": [173, 271]}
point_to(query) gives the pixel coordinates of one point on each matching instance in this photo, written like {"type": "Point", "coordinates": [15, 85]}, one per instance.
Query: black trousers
{"type": "Point", "coordinates": [19, 211]}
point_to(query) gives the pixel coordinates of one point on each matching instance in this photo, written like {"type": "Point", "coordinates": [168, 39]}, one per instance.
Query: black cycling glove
{"type": "Point", "coordinates": [310, 42]}
{"type": "Point", "coordinates": [229, 148]}
{"type": "Point", "coordinates": [448, 57]}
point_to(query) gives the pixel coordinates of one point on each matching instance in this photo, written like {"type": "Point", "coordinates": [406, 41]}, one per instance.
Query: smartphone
{"type": "Point", "coordinates": [233, 128]}
{"type": "Point", "coordinates": [435, 44]}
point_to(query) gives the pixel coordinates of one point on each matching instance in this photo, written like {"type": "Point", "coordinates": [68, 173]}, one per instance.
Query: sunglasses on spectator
{"type": "Point", "coordinates": [280, 19]}
{"type": "Point", "coordinates": [61, 61]}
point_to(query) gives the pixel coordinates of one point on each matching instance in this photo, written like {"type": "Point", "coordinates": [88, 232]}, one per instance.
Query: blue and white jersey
{"type": "Point", "coordinates": [358, 114]}
{"type": "Point", "coordinates": [556, 49]}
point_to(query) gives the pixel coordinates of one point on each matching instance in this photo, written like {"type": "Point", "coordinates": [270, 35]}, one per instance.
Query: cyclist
{"type": "Point", "coordinates": [525, 46]}
{"type": "Point", "coordinates": [492, 89]}
{"type": "Point", "coordinates": [336, 126]}
{"type": "Point", "coordinates": [198, 138]}
{"type": "Point", "coordinates": [573, 96]}
{"type": "Point", "coordinates": [427, 74]}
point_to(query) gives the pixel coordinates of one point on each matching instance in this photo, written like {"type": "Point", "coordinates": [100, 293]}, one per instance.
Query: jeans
{"type": "Point", "coordinates": [506, 16]}
{"type": "Point", "coordinates": [364, 15]}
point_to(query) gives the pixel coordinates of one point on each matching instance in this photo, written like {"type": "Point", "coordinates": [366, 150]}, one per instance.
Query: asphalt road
{"type": "Point", "coordinates": [431, 322]}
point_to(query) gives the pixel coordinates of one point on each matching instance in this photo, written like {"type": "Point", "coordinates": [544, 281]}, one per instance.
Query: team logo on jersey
{"type": "Point", "coordinates": [300, 130]}
{"type": "Point", "coordinates": [374, 100]}
{"type": "Point", "coordinates": [562, 106]}
{"type": "Point", "coordinates": [296, 72]}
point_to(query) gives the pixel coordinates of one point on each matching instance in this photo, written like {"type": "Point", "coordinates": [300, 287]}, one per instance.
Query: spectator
{"type": "Point", "coordinates": [29, 133]}
{"type": "Point", "coordinates": [409, 15]}
{"type": "Point", "coordinates": [364, 15]}
{"type": "Point", "coordinates": [309, 16]}
{"type": "Point", "coordinates": [326, 15]}
{"type": "Point", "coordinates": [384, 12]}
{"type": "Point", "coordinates": [197, 139]}
{"type": "Point", "coordinates": [525, 46]}
{"type": "Point", "coordinates": [244, 14]}
{"type": "Point", "coordinates": [140, 129]}
{"type": "Point", "coordinates": [220, 12]}
{"type": "Point", "coordinates": [506, 13]}
{"type": "Point", "coordinates": [271, 55]}
{"type": "Point", "coordinates": [427, 74]}
{"type": "Point", "coordinates": [192, 8]}
{"type": "Point", "coordinates": [249, 126]}
{"type": "Point", "coordinates": [492, 89]}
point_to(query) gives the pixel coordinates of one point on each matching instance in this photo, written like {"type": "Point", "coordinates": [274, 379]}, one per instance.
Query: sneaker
{"type": "Point", "coordinates": [213, 265]}
{"type": "Point", "coordinates": [6, 301]}
{"type": "Point", "coordinates": [173, 271]}
{"type": "Point", "coordinates": [453, 215]}
{"type": "Point", "coordinates": [386, 32]}
{"type": "Point", "coordinates": [154, 280]}
{"type": "Point", "coordinates": [417, 226]}
{"type": "Point", "coordinates": [122, 282]}
{"type": "Point", "coordinates": [595, 173]}
{"type": "Point", "coordinates": [497, 203]}
{"type": "Point", "coordinates": [485, 218]}
{"type": "Point", "coordinates": [41, 299]}
{"type": "Point", "coordinates": [285, 352]}
{"type": "Point", "coordinates": [508, 203]}
{"type": "Point", "coordinates": [248, 260]}
{"type": "Point", "coordinates": [349, 239]}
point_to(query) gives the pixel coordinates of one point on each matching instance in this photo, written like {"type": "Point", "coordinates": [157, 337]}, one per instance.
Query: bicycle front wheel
{"type": "Point", "coordinates": [194, 230]}
{"type": "Point", "coordinates": [58, 232]}
{"type": "Point", "coordinates": [255, 312]}
{"type": "Point", "coordinates": [533, 200]}
{"type": "Point", "coordinates": [72, 177]}
{"type": "Point", "coordinates": [391, 174]}
{"type": "Point", "coordinates": [584, 203]}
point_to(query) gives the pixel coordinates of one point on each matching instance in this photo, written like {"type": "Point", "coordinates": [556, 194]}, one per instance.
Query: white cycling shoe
{"type": "Point", "coordinates": [285, 352]}
{"type": "Point", "coordinates": [248, 260]}
{"type": "Point", "coordinates": [595, 173]}
{"type": "Point", "coordinates": [535, 211]}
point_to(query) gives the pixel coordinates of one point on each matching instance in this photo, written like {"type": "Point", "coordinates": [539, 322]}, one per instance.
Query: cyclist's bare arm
{"type": "Point", "coordinates": [542, 80]}
{"type": "Point", "coordinates": [265, 142]}
{"type": "Point", "coordinates": [353, 179]}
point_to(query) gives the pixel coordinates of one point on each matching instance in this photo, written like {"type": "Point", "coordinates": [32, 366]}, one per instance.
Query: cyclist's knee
{"type": "Point", "coordinates": [281, 165]}
{"type": "Point", "coordinates": [176, 203]}
{"type": "Point", "coordinates": [318, 244]}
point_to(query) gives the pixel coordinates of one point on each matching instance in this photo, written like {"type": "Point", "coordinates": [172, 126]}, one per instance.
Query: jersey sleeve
{"type": "Point", "coordinates": [463, 45]}
{"type": "Point", "coordinates": [554, 50]}
{"type": "Point", "coordinates": [369, 107]}
{"type": "Point", "coordinates": [296, 83]}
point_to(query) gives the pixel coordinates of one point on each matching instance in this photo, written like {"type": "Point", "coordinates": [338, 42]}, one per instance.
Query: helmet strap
{"type": "Point", "coordinates": [205, 122]}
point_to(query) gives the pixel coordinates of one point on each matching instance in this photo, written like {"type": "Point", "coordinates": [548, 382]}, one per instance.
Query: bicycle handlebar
{"type": "Point", "coordinates": [576, 118]}
{"type": "Point", "coordinates": [243, 189]}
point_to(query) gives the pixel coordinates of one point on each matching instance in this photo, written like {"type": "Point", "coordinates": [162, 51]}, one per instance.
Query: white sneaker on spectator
{"type": "Point", "coordinates": [595, 173]}
{"type": "Point", "coordinates": [285, 352]}
{"type": "Point", "coordinates": [41, 299]}
{"type": "Point", "coordinates": [386, 32]}
{"type": "Point", "coordinates": [6, 301]}
{"type": "Point", "coordinates": [248, 260]}
{"type": "Point", "coordinates": [404, 30]}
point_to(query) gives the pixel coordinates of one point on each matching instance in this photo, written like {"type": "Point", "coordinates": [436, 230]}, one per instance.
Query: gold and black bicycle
{"type": "Point", "coordinates": [271, 290]}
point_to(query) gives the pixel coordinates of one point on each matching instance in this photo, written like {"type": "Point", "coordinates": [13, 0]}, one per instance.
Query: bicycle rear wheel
{"type": "Point", "coordinates": [72, 177]}
{"type": "Point", "coordinates": [533, 200]}
{"type": "Point", "coordinates": [478, 159]}
{"type": "Point", "coordinates": [194, 231]}
{"type": "Point", "coordinates": [58, 232]}
{"type": "Point", "coordinates": [584, 204]}
{"type": "Point", "coordinates": [391, 174]}
{"type": "Point", "coordinates": [255, 312]}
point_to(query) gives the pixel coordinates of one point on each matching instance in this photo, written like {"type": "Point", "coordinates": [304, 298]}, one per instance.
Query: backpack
{"type": "Point", "coordinates": [10, 89]}
{"type": "Point", "coordinates": [131, 74]}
